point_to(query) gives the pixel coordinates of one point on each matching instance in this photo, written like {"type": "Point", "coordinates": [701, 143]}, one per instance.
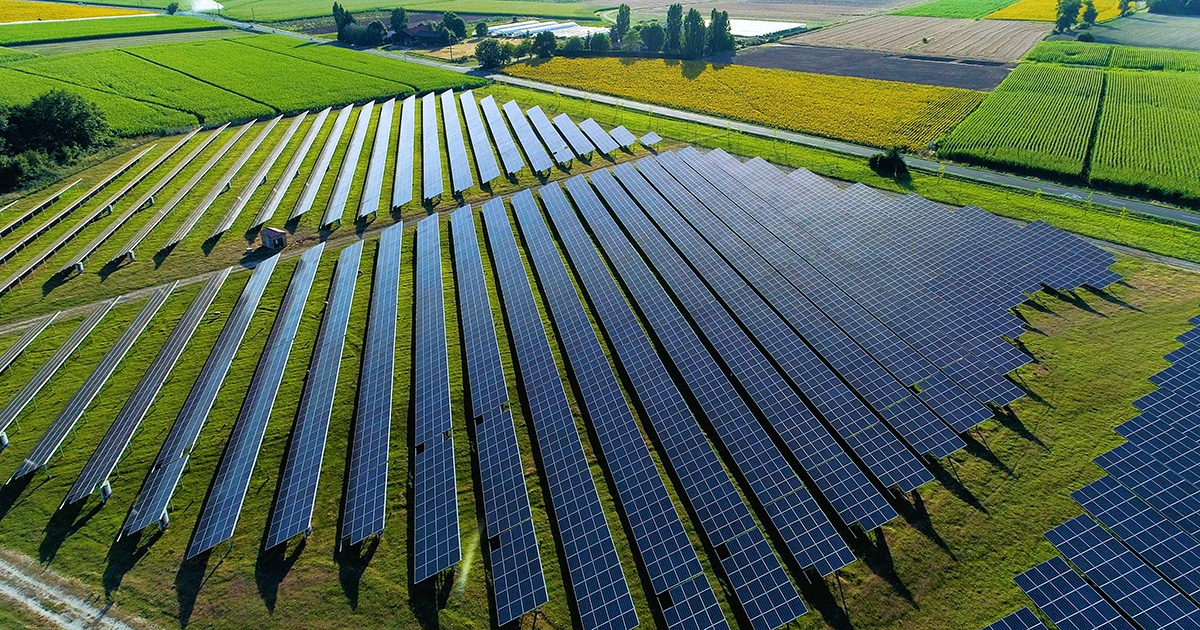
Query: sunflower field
{"type": "Point", "coordinates": [1047, 11]}
{"type": "Point", "coordinates": [866, 111]}
{"type": "Point", "coordinates": [21, 11]}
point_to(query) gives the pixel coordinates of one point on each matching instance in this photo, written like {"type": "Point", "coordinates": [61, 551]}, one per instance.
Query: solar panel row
{"type": "Point", "coordinates": [662, 545]}
{"type": "Point", "coordinates": [128, 251]}
{"type": "Point", "coordinates": [1022, 619]}
{"type": "Point", "coordinates": [112, 446]}
{"type": "Point", "coordinates": [64, 352]}
{"type": "Point", "coordinates": [76, 263]}
{"type": "Point", "coordinates": [432, 183]}
{"type": "Point", "coordinates": [290, 171]}
{"type": "Point", "coordinates": [579, 142]}
{"type": "Point", "coordinates": [460, 167]}
{"type": "Point", "coordinates": [539, 161]}
{"type": "Point", "coordinates": [723, 517]}
{"type": "Point", "coordinates": [221, 186]}
{"type": "Point", "coordinates": [1161, 487]}
{"type": "Point", "coordinates": [1069, 601]}
{"type": "Point", "coordinates": [518, 584]}
{"type": "Point", "coordinates": [28, 238]}
{"type": "Point", "coordinates": [31, 333]}
{"type": "Point", "coordinates": [436, 544]}
{"type": "Point", "coordinates": [54, 436]}
{"type": "Point", "coordinates": [258, 178]}
{"type": "Point", "coordinates": [219, 516]}
{"type": "Point", "coordinates": [366, 485]}
{"type": "Point", "coordinates": [622, 136]}
{"type": "Point", "coordinates": [160, 483]}
{"type": "Point", "coordinates": [294, 504]}
{"type": "Point", "coordinates": [335, 209]}
{"type": "Point", "coordinates": [597, 581]}
{"type": "Point", "coordinates": [308, 195]}
{"type": "Point", "coordinates": [402, 184]}
{"type": "Point", "coordinates": [810, 537]}
{"type": "Point", "coordinates": [599, 137]}
{"type": "Point", "coordinates": [372, 195]}
{"type": "Point", "coordinates": [509, 154]}
{"type": "Point", "coordinates": [481, 146]}
{"type": "Point", "coordinates": [550, 137]}
{"type": "Point", "coordinates": [37, 208]}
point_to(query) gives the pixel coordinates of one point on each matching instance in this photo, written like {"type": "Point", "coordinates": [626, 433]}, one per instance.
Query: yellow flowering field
{"type": "Point", "coordinates": [1047, 11]}
{"type": "Point", "coordinates": [879, 113]}
{"type": "Point", "coordinates": [22, 11]}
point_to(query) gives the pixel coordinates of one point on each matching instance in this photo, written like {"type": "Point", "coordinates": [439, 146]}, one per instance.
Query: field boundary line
{"type": "Point", "coordinates": [209, 83]}
{"type": "Point", "coordinates": [1091, 148]}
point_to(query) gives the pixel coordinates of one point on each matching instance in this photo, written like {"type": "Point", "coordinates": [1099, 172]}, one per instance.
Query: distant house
{"type": "Point", "coordinates": [420, 35]}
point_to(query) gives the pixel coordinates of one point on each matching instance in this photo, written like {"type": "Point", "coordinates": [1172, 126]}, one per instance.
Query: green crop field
{"type": "Point", "coordinates": [1040, 119]}
{"type": "Point", "coordinates": [1071, 53]}
{"type": "Point", "coordinates": [970, 9]}
{"type": "Point", "coordinates": [122, 73]}
{"type": "Point", "coordinates": [280, 10]}
{"type": "Point", "coordinates": [12, 34]}
{"type": "Point", "coordinates": [1109, 56]}
{"type": "Point", "coordinates": [1142, 142]}
{"type": "Point", "coordinates": [127, 116]}
{"type": "Point", "coordinates": [8, 55]}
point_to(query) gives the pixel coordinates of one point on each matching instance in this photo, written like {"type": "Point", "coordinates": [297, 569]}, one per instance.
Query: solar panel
{"type": "Point", "coordinates": [509, 154]}
{"type": "Point", "coordinates": [579, 142]}
{"type": "Point", "coordinates": [518, 585]}
{"type": "Point", "coordinates": [76, 262]}
{"type": "Point", "coordinates": [661, 543]}
{"type": "Point", "coordinates": [436, 544]}
{"type": "Point", "coordinates": [481, 146]}
{"type": "Point", "coordinates": [1022, 619]}
{"type": "Point", "coordinates": [112, 446]}
{"type": "Point", "coordinates": [539, 161]}
{"type": "Point", "coordinates": [64, 352]}
{"type": "Point", "coordinates": [259, 178]}
{"type": "Point", "coordinates": [769, 475]}
{"type": "Point", "coordinates": [220, 187]}
{"type": "Point", "coordinates": [160, 483]}
{"type": "Point", "coordinates": [650, 139]}
{"type": "Point", "coordinates": [366, 486]}
{"type": "Point", "coordinates": [1155, 484]}
{"type": "Point", "coordinates": [558, 148]}
{"type": "Point", "coordinates": [368, 205]}
{"type": "Point", "coordinates": [67, 209]}
{"type": "Point", "coordinates": [460, 168]}
{"type": "Point", "coordinates": [127, 252]}
{"type": "Point", "coordinates": [597, 582]}
{"type": "Point", "coordinates": [224, 503]}
{"type": "Point", "coordinates": [54, 436]}
{"type": "Point", "coordinates": [1067, 599]}
{"type": "Point", "coordinates": [622, 136]}
{"type": "Point", "coordinates": [1123, 577]}
{"type": "Point", "coordinates": [336, 208]}
{"type": "Point", "coordinates": [37, 208]}
{"type": "Point", "coordinates": [721, 513]}
{"type": "Point", "coordinates": [31, 332]}
{"type": "Point", "coordinates": [280, 189]}
{"type": "Point", "coordinates": [432, 183]}
{"type": "Point", "coordinates": [849, 490]}
{"type": "Point", "coordinates": [485, 371]}
{"type": "Point", "coordinates": [297, 495]}
{"type": "Point", "coordinates": [308, 195]}
{"type": "Point", "coordinates": [599, 137]}
{"type": "Point", "coordinates": [402, 184]}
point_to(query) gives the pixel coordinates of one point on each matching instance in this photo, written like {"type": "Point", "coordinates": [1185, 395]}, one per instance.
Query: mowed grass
{"type": "Point", "coordinates": [969, 9]}
{"type": "Point", "coordinates": [22, 11]}
{"type": "Point", "coordinates": [13, 34]}
{"type": "Point", "coordinates": [879, 113]}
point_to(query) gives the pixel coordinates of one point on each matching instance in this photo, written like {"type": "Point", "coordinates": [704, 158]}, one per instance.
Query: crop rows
{"type": "Point", "coordinates": [1071, 53]}
{"type": "Point", "coordinates": [8, 55]}
{"type": "Point", "coordinates": [968, 9]}
{"type": "Point", "coordinates": [11, 34]}
{"type": "Point", "coordinates": [1109, 56]}
{"type": "Point", "coordinates": [879, 113]}
{"type": "Point", "coordinates": [127, 116]}
{"type": "Point", "coordinates": [1149, 133]}
{"type": "Point", "coordinates": [1047, 11]}
{"type": "Point", "coordinates": [1040, 119]}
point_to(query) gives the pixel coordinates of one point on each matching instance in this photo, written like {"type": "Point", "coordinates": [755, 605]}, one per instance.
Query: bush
{"type": "Point", "coordinates": [368, 36]}
{"type": "Point", "coordinates": [573, 45]}
{"type": "Point", "coordinates": [890, 163]}
{"type": "Point", "coordinates": [172, 8]}
{"type": "Point", "coordinates": [1086, 37]}
{"type": "Point", "coordinates": [600, 42]}
{"type": "Point", "coordinates": [481, 29]}
{"type": "Point", "coordinates": [51, 131]}
{"type": "Point", "coordinates": [653, 37]}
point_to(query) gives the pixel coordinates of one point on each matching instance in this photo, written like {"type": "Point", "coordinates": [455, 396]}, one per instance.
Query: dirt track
{"type": "Point", "coordinates": [992, 40]}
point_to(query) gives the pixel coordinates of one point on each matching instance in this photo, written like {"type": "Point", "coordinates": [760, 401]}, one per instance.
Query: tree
{"type": "Point", "coordinates": [674, 31]}
{"type": "Point", "coordinates": [544, 45]}
{"type": "Point", "coordinates": [573, 45]}
{"type": "Point", "coordinates": [618, 30]}
{"type": "Point", "coordinates": [1068, 14]}
{"type": "Point", "coordinates": [172, 8]}
{"type": "Point", "coordinates": [1089, 13]}
{"type": "Point", "coordinates": [600, 42]}
{"type": "Point", "coordinates": [399, 20]}
{"type": "Point", "coordinates": [1125, 6]}
{"type": "Point", "coordinates": [481, 29]}
{"type": "Point", "coordinates": [694, 34]}
{"type": "Point", "coordinates": [491, 54]}
{"type": "Point", "coordinates": [889, 164]}
{"type": "Point", "coordinates": [653, 37]}
{"type": "Point", "coordinates": [524, 49]}
{"type": "Point", "coordinates": [53, 130]}
{"type": "Point", "coordinates": [1086, 36]}
{"type": "Point", "coordinates": [341, 17]}
{"type": "Point", "coordinates": [456, 25]}
{"type": "Point", "coordinates": [719, 37]}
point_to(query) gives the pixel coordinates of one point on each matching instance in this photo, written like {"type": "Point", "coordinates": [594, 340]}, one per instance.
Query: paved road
{"type": "Point", "coordinates": [968, 173]}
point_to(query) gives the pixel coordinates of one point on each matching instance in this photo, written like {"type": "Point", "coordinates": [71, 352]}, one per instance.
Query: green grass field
{"type": "Point", "coordinates": [126, 116]}
{"type": "Point", "coordinates": [280, 10]}
{"type": "Point", "coordinates": [8, 55]}
{"type": "Point", "coordinates": [969, 9]}
{"type": "Point", "coordinates": [1109, 56]}
{"type": "Point", "coordinates": [13, 34]}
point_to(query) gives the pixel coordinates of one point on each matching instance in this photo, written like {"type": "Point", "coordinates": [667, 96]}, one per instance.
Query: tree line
{"type": "Point", "coordinates": [54, 130]}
